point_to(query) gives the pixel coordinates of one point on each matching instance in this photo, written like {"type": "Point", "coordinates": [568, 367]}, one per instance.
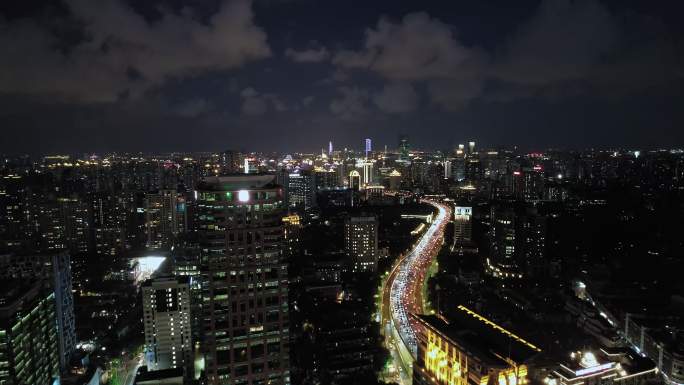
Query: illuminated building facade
{"type": "Point", "coordinates": [604, 367]}
{"type": "Point", "coordinates": [166, 315]}
{"type": "Point", "coordinates": [367, 172]}
{"type": "Point", "coordinates": [55, 270]}
{"type": "Point", "coordinates": [361, 243]}
{"type": "Point", "coordinates": [404, 147]}
{"type": "Point", "coordinates": [301, 190]}
{"type": "Point", "coordinates": [470, 350]}
{"type": "Point", "coordinates": [502, 239]}
{"type": "Point", "coordinates": [163, 221]}
{"type": "Point", "coordinates": [29, 352]}
{"type": "Point", "coordinates": [354, 180]}
{"type": "Point", "coordinates": [291, 228]}
{"type": "Point", "coordinates": [463, 225]}
{"type": "Point", "coordinates": [245, 286]}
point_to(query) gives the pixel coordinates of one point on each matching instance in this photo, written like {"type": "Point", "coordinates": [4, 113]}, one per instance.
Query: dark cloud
{"type": "Point", "coordinates": [121, 42]}
{"type": "Point", "coordinates": [397, 98]}
{"type": "Point", "coordinates": [352, 103]}
{"type": "Point", "coordinates": [312, 55]}
{"type": "Point", "coordinates": [255, 103]}
{"type": "Point", "coordinates": [436, 71]}
{"type": "Point", "coordinates": [193, 107]}
{"type": "Point", "coordinates": [566, 48]}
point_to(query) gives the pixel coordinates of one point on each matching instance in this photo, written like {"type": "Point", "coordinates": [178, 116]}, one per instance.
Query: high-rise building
{"type": "Point", "coordinates": [29, 351]}
{"type": "Point", "coordinates": [471, 148]}
{"type": "Point", "coordinates": [532, 244]}
{"type": "Point", "coordinates": [470, 349]}
{"type": "Point", "coordinates": [291, 226]}
{"type": "Point", "coordinates": [447, 169]}
{"type": "Point", "coordinates": [403, 147]}
{"type": "Point", "coordinates": [330, 148]}
{"type": "Point", "coordinates": [55, 271]}
{"type": "Point", "coordinates": [301, 190]}
{"type": "Point", "coordinates": [167, 322]}
{"type": "Point", "coordinates": [463, 225]}
{"type": "Point", "coordinates": [368, 147]}
{"type": "Point", "coordinates": [231, 161]}
{"type": "Point", "coordinates": [361, 242]}
{"type": "Point", "coordinates": [245, 303]}
{"type": "Point", "coordinates": [367, 172]}
{"type": "Point", "coordinates": [162, 219]}
{"type": "Point", "coordinates": [325, 179]}
{"type": "Point", "coordinates": [354, 180]}
{"type": "Point", "coordinates": [394, 180]}
{"type": "Point", "coordinates": [502, 238]}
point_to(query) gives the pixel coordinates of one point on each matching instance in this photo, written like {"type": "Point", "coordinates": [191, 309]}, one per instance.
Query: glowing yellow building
{"type": "Point", "coordinates": [470, 350]}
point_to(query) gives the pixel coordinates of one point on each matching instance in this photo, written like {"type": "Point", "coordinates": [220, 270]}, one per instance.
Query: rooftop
{"type": "Point", "coordinates": [487, 340]}
{"type": "Point", "coordinates": [237, 181]}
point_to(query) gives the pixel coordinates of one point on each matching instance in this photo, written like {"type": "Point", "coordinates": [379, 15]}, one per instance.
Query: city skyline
{"type": "Point", "coordinates": [308, 192]}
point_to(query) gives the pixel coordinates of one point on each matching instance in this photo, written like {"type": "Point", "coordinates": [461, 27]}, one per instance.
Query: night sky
{"type": "Point", "coordinates": [82, 76]}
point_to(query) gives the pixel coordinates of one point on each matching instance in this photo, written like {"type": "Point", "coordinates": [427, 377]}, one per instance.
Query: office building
{"type": "Point", "coordinates": [471, 148]}
{"type": "Point", "coordinates": [29, 349]}
{"type": "Point", "coordinates": [368, 147]}
{"type": "Point", "coordinates": [354, 180]}
{"type": "Point", "coordinates": [231, 162]}
{"type": "Point", "coordinates": [502, 241]}
{"type": "Point", "coordinates": [291, 229]}
{"type": "Point", "coordinates": [394, 180]}
{"type": "Point", "coordinates": [361, 242]}
{"type": "Point", "coordinates": [55, 271]}
{"type": "Point", "coordinates": [367, 173]}
{"type": "Point", "coordinates": [447, 169]}
{"type": "Point", "coordinates": [301, 190]}
{"type": "Point", "coordinates": [167, 323]}
{"type": "Point", "coordinates": [404, 147]}
{"type": "Point", "coordinates": [163, 221]}
{"type": "Point", "coordinates": [245, 303]}
{"type": "Point", "coordinates": [325, 179]}
{"type": "Point", "coordinates": [463, 226]}
{"type": "Point", "coordinates": [470, 349]}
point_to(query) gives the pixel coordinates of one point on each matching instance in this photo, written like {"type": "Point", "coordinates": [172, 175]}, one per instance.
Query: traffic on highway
{"type": "Point", "coordinates": [406, 280]}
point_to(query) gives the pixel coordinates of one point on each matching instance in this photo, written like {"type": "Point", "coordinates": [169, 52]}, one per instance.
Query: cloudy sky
{"type": "Point", "coordinates": [289, 75]}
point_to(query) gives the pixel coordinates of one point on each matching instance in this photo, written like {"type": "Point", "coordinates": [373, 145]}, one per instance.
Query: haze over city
{"type": "Point", "coordinates": [272, 75]}
{"type": "Point", "coordinates": [300, 192]}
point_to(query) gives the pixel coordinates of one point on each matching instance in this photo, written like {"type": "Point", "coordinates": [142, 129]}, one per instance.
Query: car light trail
{"type": "Point", "coordinates": [405, 289]}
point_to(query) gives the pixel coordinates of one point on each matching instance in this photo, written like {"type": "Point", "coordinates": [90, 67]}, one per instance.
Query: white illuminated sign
{"type": "Point", "coordinates": [243, 195]}
{"type": "Point", "coordinates": [593, 369]}
{"type": "Point", "coordinates": [463, 211]}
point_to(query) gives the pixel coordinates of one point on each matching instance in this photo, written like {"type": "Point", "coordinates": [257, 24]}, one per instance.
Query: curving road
{"type": "Point", "coordinates": [402, 294]}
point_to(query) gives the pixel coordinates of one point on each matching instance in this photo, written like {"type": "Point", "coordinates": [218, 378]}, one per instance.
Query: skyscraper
{"type": "Point", "coordinates": [167, 322]}
{"type": "Point", "coordinates": [354, 180]}
{"type": "Point", "coordinates": [463, 225]}
{"type": "Point", "coordinates": [367, 168]}
{"type": "Point", "coordinates": [330, 148]}
{"type": "Point", "coordinates": [301, 190]}
{"type": "Point", "coordinates": [471, 147]}
{"type": "Point", "coordinates": [245, 305]}
{"type": "Point", "coordinates": [403, 147]}
{"type": "Point", "coordinates": [55, 271]}
{"type": "Point", "coordinates": [29, 352]}
{"type": "Point", "coordinates": [230, 161]}
{"type": "Point", "coordinates": [361, 242]}
{"type": "Point", "coordinates": [502, 238]}
{"type": "Point", "coordinates": [162, 222]}
{"type": "Point", "coordinates": [368, 147]}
